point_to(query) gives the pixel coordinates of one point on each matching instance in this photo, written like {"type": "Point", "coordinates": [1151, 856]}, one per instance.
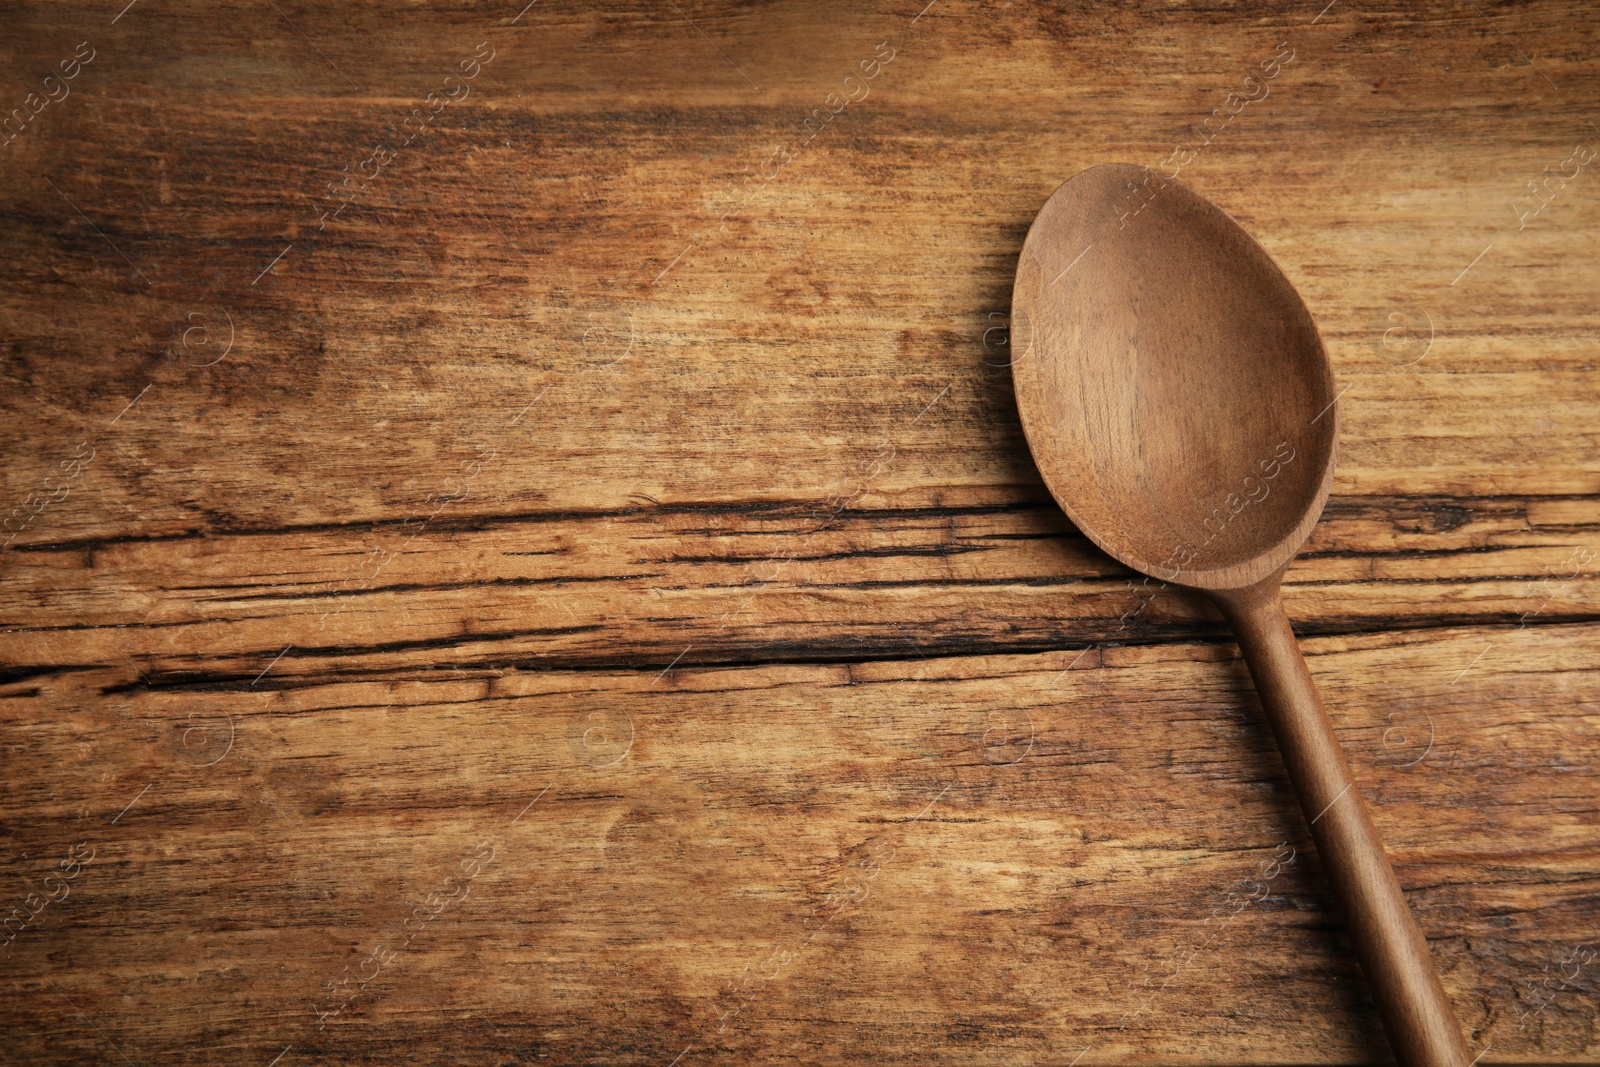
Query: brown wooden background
{"type": "Point", "coordinates": [598, 457]}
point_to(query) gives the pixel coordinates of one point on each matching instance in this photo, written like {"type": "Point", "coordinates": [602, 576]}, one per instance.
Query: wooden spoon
{"type": "Point", "coordinates": [1178, 401]}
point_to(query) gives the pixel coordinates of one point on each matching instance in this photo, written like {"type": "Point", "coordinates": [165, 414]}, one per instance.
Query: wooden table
{"type": "Point", "coordinates": [522, 550]}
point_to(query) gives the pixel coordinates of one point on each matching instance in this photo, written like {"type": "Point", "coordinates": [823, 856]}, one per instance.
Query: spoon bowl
{"type": "Point", "coordinates": [1176, 395]}
{"type": "Point", "coordinates": [1178, 400]}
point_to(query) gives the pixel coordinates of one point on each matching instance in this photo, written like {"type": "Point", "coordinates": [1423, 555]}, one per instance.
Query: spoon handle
{"type": "Point", "coordinates": [1394, 956]}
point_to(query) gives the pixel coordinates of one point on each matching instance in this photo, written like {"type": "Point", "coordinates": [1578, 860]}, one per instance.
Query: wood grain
{"type": "Point", "coordinates": [768, 430]}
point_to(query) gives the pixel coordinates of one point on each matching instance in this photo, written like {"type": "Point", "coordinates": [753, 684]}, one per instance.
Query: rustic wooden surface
{"type": "Point", "coordinates": [595, 457]}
